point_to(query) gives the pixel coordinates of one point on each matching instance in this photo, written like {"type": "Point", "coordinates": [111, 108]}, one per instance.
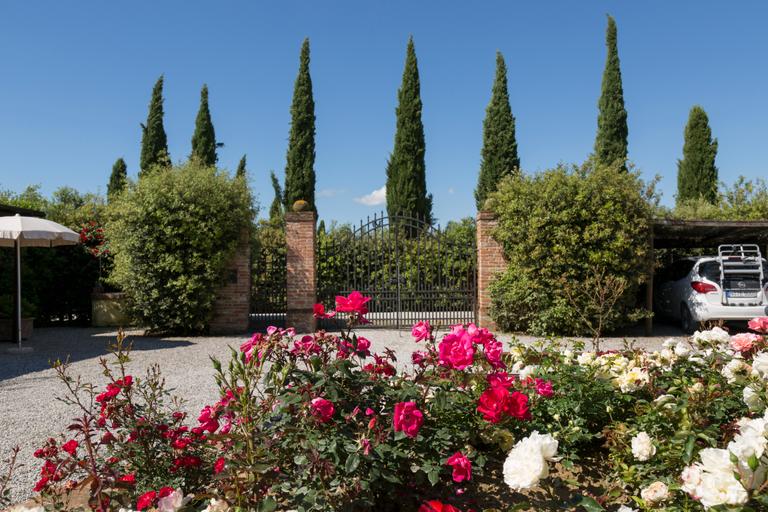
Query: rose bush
{"type": "Point", "coordinates": [320, 422]}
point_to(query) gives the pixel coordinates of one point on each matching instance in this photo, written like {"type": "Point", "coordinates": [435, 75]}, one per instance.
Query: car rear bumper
{"type": "Point", "coordinates": [707, 312]}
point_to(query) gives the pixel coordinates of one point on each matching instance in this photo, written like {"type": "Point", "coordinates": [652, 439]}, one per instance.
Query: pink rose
{"type": "Point", "coordinates": [462, 467]}
{"type": "Point", "coordinates": [492, 403]}
{"type": "Point", "coordinates": [318, 311]}
{"type": "Point", "coordinates": [306, 345]}
{"type": "Point", "coordinates": [759, 324]}
{"type": "Point", "coordinates": [517, 406]}
{"type": "Point", "coordinates": [218, 466]}
{"type": "Point", "coordinates": [353, 303]}
{"type": "Point", "coordinates": [493, 350]}
{"type": "Point", "coordinates": [421, 331]}
{"type": "Point", "coordinates": [363, 346]}
{"type": "Point", "coordinates": [408, 418]}
{"type": "Point", "coordinates": [418, 358]}
{"type": "Point", "coordinates": [502, 379]}
{"type": "Point", "coordinates": [322, 409]}
{"type": "Point", "coordinates": [456, 350]}
{"type": "Point", "coordinates": [70, 447]}
{"type": "Point", "coordinates": [208, 419]}
{"type": "Point", "coordinates": [544, 388]}
{"type": "Point", "coordinates": [744, 342]}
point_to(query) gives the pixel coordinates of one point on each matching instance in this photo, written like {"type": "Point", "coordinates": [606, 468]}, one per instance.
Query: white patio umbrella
{"type": "Point", "coordinates": [17, 231]}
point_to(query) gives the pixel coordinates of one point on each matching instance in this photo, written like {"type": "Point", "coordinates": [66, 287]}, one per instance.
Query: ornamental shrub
{"type": "Point", "coordinates": [572, 237]}
{"type": "Point", "coordinates": [172, 234]}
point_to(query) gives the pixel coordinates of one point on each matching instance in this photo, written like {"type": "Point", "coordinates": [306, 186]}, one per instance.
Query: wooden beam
{"type": "Point", "coordinates": [649, 286]}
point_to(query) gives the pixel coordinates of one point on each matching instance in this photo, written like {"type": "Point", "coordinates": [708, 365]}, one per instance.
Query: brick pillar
{"type": "Point", "coordinates": [300, 232]}
{"type": "Point", "coordinates": [490, 261]}
{"type": "Point", "coordinates": [233, 298]}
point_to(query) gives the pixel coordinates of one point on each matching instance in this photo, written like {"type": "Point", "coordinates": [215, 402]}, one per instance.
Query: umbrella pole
{"type": "Point", "coordinates": [18, 292]}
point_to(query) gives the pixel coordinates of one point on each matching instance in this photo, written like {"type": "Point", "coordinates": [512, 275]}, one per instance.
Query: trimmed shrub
{"type": "Point", "coordinates": [576, 240]}
{"type": "Point", "coordinates": [172, 234]}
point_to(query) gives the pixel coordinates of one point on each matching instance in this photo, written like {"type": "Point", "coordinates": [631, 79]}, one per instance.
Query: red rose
{"type": "Point", "coordinates": [322, 409]}
{"type": "Point", "coordinates": [462, 467]}
{"type": "Point", "coordinates": [319, 312]}
{"type": "Point", "coordinates": [70, 447]}
{"type": "Point", "coordinates": [492, 403]}
{"type": "Point", "coordinates": [437, 506]}
{"type": "Point", "coordinates": [218, 466]}
{"type": "Point", "coordinates": [129, 479]}
{"type": "Point", "coordinates": [408, 418]}
{"type": "Point", "coordinates": [146, 500]}
{"type": "Point", "coordinates": [517, 406]}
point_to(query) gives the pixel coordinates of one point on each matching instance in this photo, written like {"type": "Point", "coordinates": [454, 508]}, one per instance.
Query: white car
{"type": "Point", "coordinates": [696, 290]}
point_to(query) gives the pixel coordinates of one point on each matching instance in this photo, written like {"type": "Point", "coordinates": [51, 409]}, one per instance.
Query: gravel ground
{"type": "Point", "coordinates": [30, 412]}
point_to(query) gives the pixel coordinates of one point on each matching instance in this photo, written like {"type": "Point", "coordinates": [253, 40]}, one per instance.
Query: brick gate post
{"type": "Point", "coordinates": [233, 298]}
{"type": "Point", "coordinates": [490, 261]}
{"type": "Point", "coordinates": [301, 275]}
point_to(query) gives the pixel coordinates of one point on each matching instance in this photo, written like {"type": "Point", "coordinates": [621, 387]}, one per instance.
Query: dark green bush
{"type": "Point", "coordinates": [576, 240]}
{"type": "Point", "coordinates": [172, 235]}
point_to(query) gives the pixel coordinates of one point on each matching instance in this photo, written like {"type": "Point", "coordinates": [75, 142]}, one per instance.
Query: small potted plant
{"type": "Point", "coordinates": [6, 318]}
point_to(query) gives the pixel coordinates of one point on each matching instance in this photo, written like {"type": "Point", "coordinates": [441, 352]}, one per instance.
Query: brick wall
{"type": "Point", "coordinates": [301, 286]}
{"type": "Point", "coordinates": [233, 299]}
{"type": "Point", "coordinates": [490, 261]}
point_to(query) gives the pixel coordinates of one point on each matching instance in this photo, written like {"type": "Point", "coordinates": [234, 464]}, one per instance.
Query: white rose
{"type": "Point", "coordinates": [683, 349]}
{"type": "Point", "coordinates": [746, 445]}
{"type": "Point", "coordinates": [752, 398]}
{"type": "Point", "coordinates": [172, 502]}
{"type": "Point", "coordinates": [625, 508]}
{"type": "Point", "coordinates": [585, 358]}
{"type": "Point", "coordinates": [655, 493]}
{"type": "Point", "coordinates": [760, 365]}
{"type": "Point", "coordinates": [691, 477]}
{"type": "Point", "coordinates": [528, 371]}
{"type": "Point", "coordinates": [721, 489]}
{"type": "Point", "coordinates": [217, 506]}
{"type": "Point", "coordinates": [545, 443]}
{"type": "Point", "coordinates": [523, 469]}
{"type": "Point", "coordinates": [642, 447]}
{"type": "Point", "coordinates": [632, 379]}
{"type": "Point", "coordinates": [716, 460]}
{"type": "Point", "coordinates": [669, 343]}
{"type": "Point", "coordinates": [735, 371]}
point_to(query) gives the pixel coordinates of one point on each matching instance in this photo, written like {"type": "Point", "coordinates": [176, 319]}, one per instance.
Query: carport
{"type": "Point", "coordinates": [699, 234]}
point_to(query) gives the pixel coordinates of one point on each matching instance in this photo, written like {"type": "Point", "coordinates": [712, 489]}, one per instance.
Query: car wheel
{"type": "Point", "coordinates": [686, 320]}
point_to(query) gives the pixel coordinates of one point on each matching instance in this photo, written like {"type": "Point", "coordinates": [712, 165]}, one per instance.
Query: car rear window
{"type": "Point", "coordinates": [711, 270]}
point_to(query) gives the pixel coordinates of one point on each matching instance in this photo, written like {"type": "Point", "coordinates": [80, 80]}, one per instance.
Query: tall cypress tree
{"type": "Point", "coordinates": [611, 140]}
{"type": "Point", "coordinates": [406, 170]}
{"type": "Point", "coordinates": [118, 179]}
{"type": "Point", "coordinates": [154, 143]}
{"type": "Point", "coordinates": [276, 208]}
{"type": "Point", "coordinates": [204, 138]}
{"type": "Point", "coordinates": [300, 160]}
{"type": "Point", "coordinates": [499, 154]}
{"type": "Point", "coordinates": [696, 172]}
{"type": "Point", "coordinates": [241, 170]}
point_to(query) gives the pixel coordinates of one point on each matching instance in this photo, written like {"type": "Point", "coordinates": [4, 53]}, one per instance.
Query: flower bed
{"type": "Point", "coordinates": [319, 422]}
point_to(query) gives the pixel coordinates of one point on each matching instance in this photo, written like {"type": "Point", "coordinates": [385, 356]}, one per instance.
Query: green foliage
{"type": "Point", "coordinates": [406, 170]}
{"type": "Point", "coordinates": [499, 154]}
{"type": "Point", "coordinates": [204, 138]}
{"type": "Point", "coordinates": [173, 234]}
{"type": "Point", "coordinates": [268, 269]}
{"type": "Point", "coordinates": [611, 140]}
{"type": "Point", "coordinates": [696, 172]}
{"type": "Point", "coordinates": [154, 143]}
{"type": "Point", "coordinates": [276, 208]}
{"type": "Point", "coordinates": [241, 172]}
{"type": "Point", "coordinates": [560, 228]}
{"type": "Point", "coordinates": [300, 160]}
{"type": "Point", "coordinates": [118, 180]}
{"type": "Point", "coordinates": [744, 200]}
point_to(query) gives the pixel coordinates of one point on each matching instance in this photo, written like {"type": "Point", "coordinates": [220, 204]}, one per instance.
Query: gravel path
{"type": "Point", "coordinates": [30, 412]}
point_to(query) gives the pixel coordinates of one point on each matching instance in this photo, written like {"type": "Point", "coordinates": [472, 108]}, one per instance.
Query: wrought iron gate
{"type": "Point", "coordinates": [268, 276]}
{"type": "Point", "coordinates": [412, 271]}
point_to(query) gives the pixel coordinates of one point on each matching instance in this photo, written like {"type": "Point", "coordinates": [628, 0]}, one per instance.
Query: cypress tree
{"type": "Point", "coordinates": [154, 143]}
{"type": "Point", "coordinates": [300, 159]}
{"type": "Point", "coordinates": [406, 170]}
{"type": "Point", "coordinates": [611, 140]}
{"type": "Point", "coordinates": [276, 208]}
{"type": "Point", "coordinates": [241, 170]}
{"type": "Point", "coordinates": [499, 154]}
{"type": "Point", "coordinates": [696, 172]}
{"type": "Point", "coordinates": [118, 179]}
{"type": "Point", "coordinates": [204, 138]}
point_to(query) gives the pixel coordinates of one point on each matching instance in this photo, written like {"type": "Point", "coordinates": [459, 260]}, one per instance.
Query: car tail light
{"type": "Point", "coordinates": [702, 287]}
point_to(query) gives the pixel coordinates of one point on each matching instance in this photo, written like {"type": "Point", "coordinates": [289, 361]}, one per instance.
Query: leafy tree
{"type": "Point", "coordinates": [173, 234]}
{"type": "Point", "coordinates": [696, 172]}
{"type": "Point", "coordinates": [612, 131]}
{"type": "Point", "coordinates": [300, 160]}
{"type": "Point", "coordinates": [499, 154]}
{"type": "Point", "coordinates": [118, 179]}
{"type": "Point", "coordinates": [241, 170]}
{"type": "Point", "coordinates": [406, 170]}
{"type": "Point", "coordinates": [276, 209]}
{"type": "Point", "coordinates": [204, 138]}
{"type": "Point", "coordinates": [154, 142]}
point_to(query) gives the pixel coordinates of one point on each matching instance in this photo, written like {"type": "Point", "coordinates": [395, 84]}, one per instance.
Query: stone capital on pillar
{"type": "Point", "coordinates": [490, 262]}
{"type": "Point", "coordinates": [301, 274]}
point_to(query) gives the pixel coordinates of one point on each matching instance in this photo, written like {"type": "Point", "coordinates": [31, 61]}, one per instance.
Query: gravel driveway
{"type": "Point", "coordinates": [30, 413]}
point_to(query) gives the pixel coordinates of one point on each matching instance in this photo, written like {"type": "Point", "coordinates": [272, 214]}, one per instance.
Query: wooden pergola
{"type": "Point", "coordinates": [698, 234]}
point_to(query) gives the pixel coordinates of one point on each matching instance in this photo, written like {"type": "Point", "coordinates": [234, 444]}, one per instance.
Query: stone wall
{"type": "Point", "coordinates": [300, 233]}
{"type": "Point", "coordinates": [233, 302]}
{"type": "Point", "coordinates": [490, 261]}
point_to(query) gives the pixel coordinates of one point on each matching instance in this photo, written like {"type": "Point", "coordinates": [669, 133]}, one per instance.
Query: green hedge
{"type": "Point", "coordinates": [570, 235]}
{"type": "Point", "coordinates": [172, 235]}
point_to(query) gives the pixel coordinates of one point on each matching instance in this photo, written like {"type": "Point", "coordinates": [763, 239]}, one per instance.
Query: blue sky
{"type": "Point", "coordinates": [77, 77]}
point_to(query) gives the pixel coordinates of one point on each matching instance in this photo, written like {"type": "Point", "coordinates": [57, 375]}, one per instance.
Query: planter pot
{"type": "Point", "coordinates": [109, 310]}
{"type": "Point", "coordinates": [6, 328]}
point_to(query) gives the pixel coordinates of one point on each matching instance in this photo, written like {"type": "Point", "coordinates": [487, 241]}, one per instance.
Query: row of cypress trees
{"type": "Point", "coordinates": [406, 188]}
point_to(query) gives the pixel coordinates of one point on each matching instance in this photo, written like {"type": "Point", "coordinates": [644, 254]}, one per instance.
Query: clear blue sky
{"type": "Point", "coordinates": [77, 77]}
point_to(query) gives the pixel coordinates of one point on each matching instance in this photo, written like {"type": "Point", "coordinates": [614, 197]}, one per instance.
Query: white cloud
{"type": "Point", "coordinates": [451, 190]}
{"type": "Point", "coordinates": [330, 192]}
{"type": "Point", "coordinates": [377, 197]}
